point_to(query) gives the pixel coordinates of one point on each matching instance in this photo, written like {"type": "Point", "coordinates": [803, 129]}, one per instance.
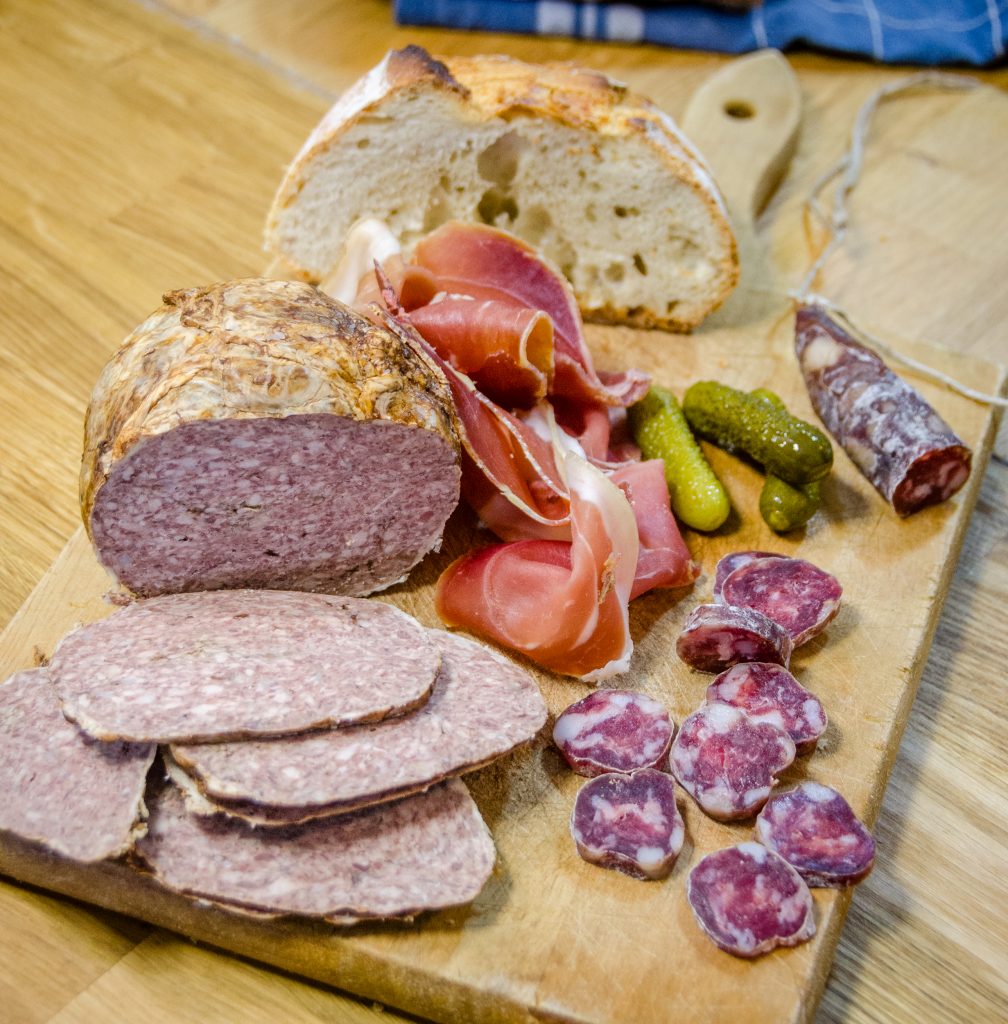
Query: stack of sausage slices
{"type": "Point", "coordinates": [311, 743]}
{"type": "Point", "coordinates": [756, 717]}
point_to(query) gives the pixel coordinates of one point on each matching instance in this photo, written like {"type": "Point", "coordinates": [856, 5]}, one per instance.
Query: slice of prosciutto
{"type": "Point", "coordinates": [564, 605]}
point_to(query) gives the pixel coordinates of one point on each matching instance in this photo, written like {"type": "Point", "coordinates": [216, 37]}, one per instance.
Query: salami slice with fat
{"type": "Point", "coordinates": [613, 731]}
{"type": "Point", "coordinates": [814, 829]}
{"type": "Point", "coordinates": [729, 563]}
{"type": "Point", "coordinates": [77, 797]}
{"type": "Point", "coordinates": [717, 636]}
{"type": "Point", "coordinates": [796, 594]}
{"type": "Point", "coordinates": [481, 707]}
{"type": "Point", "coordinates": [727, 761]}
{"type": "Point", "coordinates": [422, 853]}
{"type": "Point", "coordinates": [769, 692]}
{"type": "Point", "coordinates": [749, 900]}
{"type": "Point", "coordinates": [239, 663]}
{"type": "Point", "coordinates": [629, 823]}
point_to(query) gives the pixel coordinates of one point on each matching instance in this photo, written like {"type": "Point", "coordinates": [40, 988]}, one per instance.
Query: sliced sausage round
{"type": "Point", "coordinates": [749, 900]}
{"type": "Point", "coordinates": [613, 731]}
{"type": "Point", "coordinates": [231, 664]}
{"type": "Point", "coordinates": [727, 761]}
{"type": "Point", "coordinates": [729, 563]}
{"type": "Point", "coordinates": [629, 823]}
{"type": "Point", "coordinates": [794, 593]}
{"type": "Point", "coordinates": [717, 636]}
{"type": "Point", "coordinates": [814, 829]}
{"type": "Point", "coordinates": [769, 692]}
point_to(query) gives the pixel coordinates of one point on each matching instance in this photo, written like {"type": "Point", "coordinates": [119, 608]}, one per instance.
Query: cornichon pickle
{"type": "Point", "coordinates": [785, 445]}
{"type": "Point", "coordinates": [661, 431]}
{"type": "Point", "coordinates": [785, 506]}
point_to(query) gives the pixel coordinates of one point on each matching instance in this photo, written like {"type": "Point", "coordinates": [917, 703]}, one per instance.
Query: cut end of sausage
{"type": "Point", "coordinates": [932, 479]}
{"type": "Point", "coordinates": [307, 502]}
{"type": "Point", "coordinates": [717, 636]}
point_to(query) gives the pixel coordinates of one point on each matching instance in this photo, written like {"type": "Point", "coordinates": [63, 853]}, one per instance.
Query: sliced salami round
{"type": "Point", "coordinates": [421, 853]}
{"type": "Point", "coordinates": [60, 788]}
{"type": "Point", "coordinates": [727, 761]}
{"type": "Point", "coordinates": [231, 664]}
{"type": "Point", "coordinates": [814, 829]}
{"type": "Point", "coordinates": [727, 565]}
{"type": "Point", "coordinates": [769, 692]}
{"type": "Point", "coordinates": [481, 707]}
{"type": "Point", "coordinates": [749, 900]}
{"type": "Point", "coordinates": [629, 823]}
{"type": "Point", "coordinates": [794, 593]}
{"type": "Point", "coordinates": [717, 636]}
{"type": "Point", "coordinates": [613, 731]}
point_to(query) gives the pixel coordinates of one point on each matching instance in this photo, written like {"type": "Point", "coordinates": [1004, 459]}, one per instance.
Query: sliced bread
{"type": "Point", "coordinates": [600, 180]}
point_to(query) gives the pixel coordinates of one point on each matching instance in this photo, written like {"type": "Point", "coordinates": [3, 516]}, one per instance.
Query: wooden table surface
{"type": "Point", "coordinates": [141, 146]}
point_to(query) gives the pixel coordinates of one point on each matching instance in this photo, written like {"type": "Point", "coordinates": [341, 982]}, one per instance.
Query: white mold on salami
{"type": "Point", "coordinates": [77, 797]}
{"type": "Point", "coordinates": [796, 594]}
{"type": "Point", "coordinates": [727, 761]}
{"type": "Point", "coordinates": [232, 664]}
{"type": "Point", "coordinates": [729, 563]}
{"type": "Point", "coordinates": [897, 440]}
{"type": "Point", "coordinates": [613, 731]}
{"type": "Point", "coordinates": [256, 433]}
{"type": "Point", "coordinates": [425, 852]}
{"type": "Point", "coordinates": [717, 636]}
{"type": "Point", "coordinates": [768, 692]}
{"type": "Point", "coordinates": [481, 707]}
{"type": "Point", "coordinates": [749, 900]}
{"type": "Point", "coordinates": [814, 829]}
{"type": "Point", "coordinates": [629, 823]}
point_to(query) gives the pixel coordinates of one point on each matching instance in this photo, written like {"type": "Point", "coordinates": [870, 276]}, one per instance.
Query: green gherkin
{"type": "Point", "coordinates": [785, 506]}
{"type": "Point", "coordinates": [785, 445]}
{"type": "Point", "coordinates": [661, 431]}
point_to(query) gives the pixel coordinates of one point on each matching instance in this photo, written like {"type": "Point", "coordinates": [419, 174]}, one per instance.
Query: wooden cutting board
{"type": "Point", "coordinates": [552, 938]}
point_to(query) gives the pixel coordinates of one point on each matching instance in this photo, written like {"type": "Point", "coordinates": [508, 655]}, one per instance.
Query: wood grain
{"type": "Point", "coordinates": [143, 156]}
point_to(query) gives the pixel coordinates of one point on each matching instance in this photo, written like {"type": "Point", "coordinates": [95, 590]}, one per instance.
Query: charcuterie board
{"type": "Point", "coordinates": [552, 937]}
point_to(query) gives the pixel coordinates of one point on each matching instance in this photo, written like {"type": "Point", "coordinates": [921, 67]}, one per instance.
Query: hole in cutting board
{"type": "Point", "coordinates": [739, 109]}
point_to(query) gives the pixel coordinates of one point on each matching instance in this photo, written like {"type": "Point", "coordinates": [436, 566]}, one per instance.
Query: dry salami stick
{"type": "Point", "coordinates": [903, 447]}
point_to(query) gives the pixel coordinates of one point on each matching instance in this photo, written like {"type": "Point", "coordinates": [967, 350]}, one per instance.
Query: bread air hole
{"type": "Point", "coordinates": [615, 272]}
{"type": "Point", "coordinates": [639, 264]}
{"type": "Point", "coordinates": [497, 208]}
{"type": "Point", "coordinates": [498, 163]}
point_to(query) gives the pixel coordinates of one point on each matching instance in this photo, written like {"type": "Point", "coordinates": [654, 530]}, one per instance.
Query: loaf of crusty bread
{"type": "Point", "coordinates": [599, 180]}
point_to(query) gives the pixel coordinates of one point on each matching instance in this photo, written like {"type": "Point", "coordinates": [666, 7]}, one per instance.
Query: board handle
{"type": "Point", "coordinates": [744, 120]}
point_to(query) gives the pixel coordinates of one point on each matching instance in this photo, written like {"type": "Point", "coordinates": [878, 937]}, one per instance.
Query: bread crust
{"type": "Point", "coordinates": [496, 87]}
{"type": "Point", "coordinates": [248, 349]}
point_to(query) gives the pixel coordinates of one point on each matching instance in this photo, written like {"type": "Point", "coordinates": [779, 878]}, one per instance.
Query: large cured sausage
{"type": "Point", "coordinates": [481, 707]}
{"type": "Point", "coordinates": [814, 829]}
{"type": "Point", "coordinates": [727, 761]}
{"type": "Point", "coordinates": [904, 448]}
{"type": "Point", "coordinates": [425, 852]}
{"type": "Point", "coordinates": [796, 594]}
{"type": "Point", "coordinates": [717, 636]}
{"type": "Point", "coordinates": [749, 900]}
{"type": "Point", "coordinates": [79, 798]}
{"type": "Point", "coordinates": [629, 823]}
{"type": "Point", "coordinates": [231, 664]}
{"type": "Point", "coordinates": [259, 434]}
{"type": "Point", "coordinates": [767, 691]}
{"type": "Point", "coordinates": [613, 731]}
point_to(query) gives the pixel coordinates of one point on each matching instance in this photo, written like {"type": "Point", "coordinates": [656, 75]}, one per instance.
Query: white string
{"type": "Point", "coordinates": [848, 169]}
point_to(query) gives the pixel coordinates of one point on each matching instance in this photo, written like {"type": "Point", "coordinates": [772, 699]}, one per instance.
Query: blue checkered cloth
{"type": "Point", "coordinates": [897, 31]}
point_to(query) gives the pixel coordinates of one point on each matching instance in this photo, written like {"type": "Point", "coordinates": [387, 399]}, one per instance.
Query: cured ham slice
{"type": "Point", "coordinates": [505, 348]}
{"type": "Point", "coordinates": [564, 605]}
{"type": "Point", "coordinates": [484, 262]}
